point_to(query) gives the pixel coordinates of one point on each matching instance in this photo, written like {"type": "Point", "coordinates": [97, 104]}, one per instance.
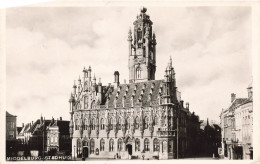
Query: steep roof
{"type": "Point", "coordinates": [236, 102]}
{"type": "Point", "coordinates": [136, 89]}
{"type": "Point", "coordinates": [38, 126]}
{"type": "Point", "coordinates": [25, 129]}
{"type": "Point", "coordinates": [9, 115]}
{"type": "Point", "coordinates": [19, 129]}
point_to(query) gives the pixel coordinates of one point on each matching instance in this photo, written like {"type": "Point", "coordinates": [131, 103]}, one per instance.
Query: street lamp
{"type": "Point", "coordinates": [74, 153]}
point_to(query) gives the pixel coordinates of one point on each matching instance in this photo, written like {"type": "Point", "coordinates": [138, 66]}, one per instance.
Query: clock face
{"type": "Point", "coordinates": [139, 52]}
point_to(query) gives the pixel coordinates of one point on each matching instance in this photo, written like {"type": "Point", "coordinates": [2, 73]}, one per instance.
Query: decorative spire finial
{"type": "Point", "coordinates": [143, 10]}
{"type": "Point", "coordinates": [170, 61]}
{"type": "Point", "coordinates": [74, 86]}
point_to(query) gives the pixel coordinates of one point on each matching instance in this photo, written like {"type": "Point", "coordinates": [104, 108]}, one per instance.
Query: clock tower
{"type": "Point", "coordinates": [142, 49]}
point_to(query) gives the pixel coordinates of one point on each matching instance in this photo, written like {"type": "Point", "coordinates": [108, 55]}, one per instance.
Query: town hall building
{"type": "Point", "coordinates": [144, 118]}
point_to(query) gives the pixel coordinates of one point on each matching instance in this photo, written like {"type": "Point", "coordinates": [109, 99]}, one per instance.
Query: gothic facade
{"type": "Point", "coordinates": [144, 118]}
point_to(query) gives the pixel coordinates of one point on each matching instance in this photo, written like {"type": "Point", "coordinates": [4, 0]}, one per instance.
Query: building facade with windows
{"type": "Point", "coordinates": [139, 119]}
{"type": "Point", "coordinates": [11, 131]}
{"type": "Point", "coordinates": [237, 127]}
{"type": "Point", "coordinates": [49, 136]}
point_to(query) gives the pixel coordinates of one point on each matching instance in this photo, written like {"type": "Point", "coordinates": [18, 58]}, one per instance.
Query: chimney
{"type": "Point", "coordinates": [61, 118]}
{"type": "Point", "coordinates": [116, 82]}
{"type": "Point", "coordinates": [181, 103]}
{"type": "Point", "coordinates": [22, 124]}
{"type": "Point", "coordinates": [233, 97]}
{"type": "Point", "coordinates": [32, 122]}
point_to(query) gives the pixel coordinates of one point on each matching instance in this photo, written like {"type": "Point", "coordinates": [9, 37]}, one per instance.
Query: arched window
{"type": "Point", "coordinates": [146, 145]}
{"type": "Point", "coordinates": [137, 144]}
{"type": "Point", "coordinates": [102, 144]}
{"type": "Point", "coordinates": [92, 146]}
{"type": "Point", "coordinates": [79, 153]}
{"type": "Point", "coordinates": [111, 145]}
{"type": "Point", "coordinates": [102, 124]}
{"type": "Point", "coordinates": [119, 144]}
{"type": "Point", "coordinates": [164, 146]}
{"type": "Point", "coordinates": [92, 124]}
{"type": "Point", "coordinates": [93, 105]}
{"type": "Point", "coordinates": [137, 121]}
{"type": "Point", "coordinates": [138, 73]}
{"type": "Point", "coordinates": [156, 145]}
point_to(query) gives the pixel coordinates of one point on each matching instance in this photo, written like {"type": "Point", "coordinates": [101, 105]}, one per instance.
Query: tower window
{"type": "Point", "coordinates": [138, 73]}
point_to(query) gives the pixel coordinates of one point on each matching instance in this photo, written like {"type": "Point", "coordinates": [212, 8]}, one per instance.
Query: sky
{"type": "Point", "coordinates": [48, 47]}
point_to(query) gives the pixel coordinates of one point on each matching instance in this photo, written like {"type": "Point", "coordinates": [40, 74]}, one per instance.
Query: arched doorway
{"type": "Point", "coordinates": [85, 152]}
{"type": "Point", "coordinates": [129, 149]}
{"type": "Point", "coordinates": [85, 149]}
{"type": "Point", "coordinates": [129, 145]}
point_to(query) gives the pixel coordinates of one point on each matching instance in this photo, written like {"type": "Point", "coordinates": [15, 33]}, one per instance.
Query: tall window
{"type": "Point", "coordinates": [111, 145]}
{"type": "Point", "coordinates": [119, 123]}
{"type": "Point", "coordinates": [146, 121]}
{"type": "Point", "coordinates": [12, 125]}
{"type": "Point", "coordinates": [92, 146]}
{"type": "Point", "coordinates": [164, 146]}
{"type": "Point", "coordinates": [92, 124]}
{"type": "Point", "coordinates": [76, 124]}
{"type": "Point", "coordinates": [137, 121]}
{"type": "Point", "coordinates": [85, 102]}
{"type": "Point", "coordinates": [120, 144]}
{"type": "Point", "coordinates": [102, 144]}
{"type": "Point", "coordinates": [102, 124]}
{"type": "Point", "coordinates": [86, 125]}
{"type": "Point", "coordinates": [138, 73]}
{"type": "Point", "coordinates": [78, 148]}
{"type": "Point", "coordinates": [128, 123]}
{"type": "Point", "coordinates": [156, 122]}
{"type": "Point", "coordinates": [137, 144]}
{"type": "Point", "coordinates": [110, 123]}
{"type": "Point", "coordinates": [156, 145]}
{"type": "Point", "coordinates": [146, 145]}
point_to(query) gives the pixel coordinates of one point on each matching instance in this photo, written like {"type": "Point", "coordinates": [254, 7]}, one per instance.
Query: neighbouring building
{"type": "Point", "coordinates": [49, 135]}
{"type": "Point", "coordinates": [144, 118]}
{"type": "Point", "coordinates": [10, 134]}
{"type": "Point", "coordinates": [210, 138]}
{"type": "Point", "coordinates": [237, 127]}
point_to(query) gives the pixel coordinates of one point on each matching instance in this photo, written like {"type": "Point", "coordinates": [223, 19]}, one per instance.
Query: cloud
{"type": "Point", "coordinates": [47, 49]}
